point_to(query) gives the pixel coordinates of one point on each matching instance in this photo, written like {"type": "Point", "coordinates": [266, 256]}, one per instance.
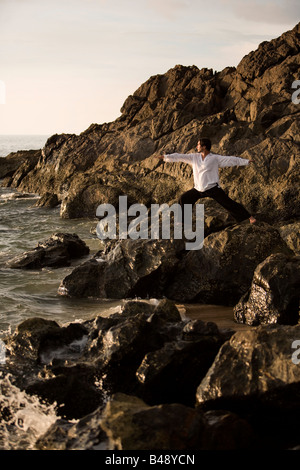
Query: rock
{"type": "Point", "coordinates": [132, 268]}
{"type": "Point", "coordinates": [172, 373]}
{"type": "Point", "coordinates": [48, 200]}
{"type": "Point", "coordinates": [291, 235]}
{"type": "Point", "coordinates": [252, 362]}
{"type": "Point", "coordinates": [130, 424]}
{"type": "Point", "coordinates": [35, 338]}
{"type": "Point", "coordinates": [256, 375]}
{"type": "Point", "coordinates": [221, 272]}
{"type": "Point", "coordinates": [81, 365]}
{"type": "Point", "coordinates": [55, 252]}
{"type": "Point", "coordinates": [86, 434]}
{"type": "Point", "coordinates": [274, 293]}
{"type": "Point", "coordinates": [10, 164]}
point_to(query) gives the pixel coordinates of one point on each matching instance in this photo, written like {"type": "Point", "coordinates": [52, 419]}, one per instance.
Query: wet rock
{"type": "Point", "coordinates": [260, 361]}
{"type": "Point", "coordinates": [173, 372]}
{"type": "Point", "coordinates": [132, 351]}
{"type": "Point", "coordinates": [86, 434]}
{"type": "Point", "coordinates": [55, 252]}
{"type": "Point", "coordinates": [48, 200]}
{"type": "Point", "coordinates": [130, 424]}
{"type": "Point", "coordinates": [72, 386]}
{"type": "Point", "coordinates": [222, 271]}
{"type": "Point", "coordinates": [274, 293]}
{"type": "Point", "coordinates": [256, 374]}
{"type": "Point", "coordinates": [133, 268]}
{"type": "Point", "coordinates": [36, 338]}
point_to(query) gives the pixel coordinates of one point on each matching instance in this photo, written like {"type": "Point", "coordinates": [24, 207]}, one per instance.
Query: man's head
{"type": "Point", "coordinates": [203, 144]}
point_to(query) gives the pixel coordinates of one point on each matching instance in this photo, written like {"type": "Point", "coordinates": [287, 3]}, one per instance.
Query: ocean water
{"type": "Point", "coordinates": [27, 293]}
{"type": "Point", "coordinates": [13, 143]}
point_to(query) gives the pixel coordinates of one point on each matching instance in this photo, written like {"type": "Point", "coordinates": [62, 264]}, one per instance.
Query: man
{"type": "Point", "coordinates": [206, 178]}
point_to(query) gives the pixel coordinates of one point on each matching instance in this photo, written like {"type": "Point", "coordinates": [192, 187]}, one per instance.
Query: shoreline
{"type": "Point", "coordinates": [219, 314]}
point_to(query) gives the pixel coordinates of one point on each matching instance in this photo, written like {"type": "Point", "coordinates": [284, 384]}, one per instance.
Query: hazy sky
{"type": "Point", "coordinates": [68, 63]}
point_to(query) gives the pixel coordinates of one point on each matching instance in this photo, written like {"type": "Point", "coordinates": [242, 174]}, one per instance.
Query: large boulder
{"type": "Point", "coordinates": [256, 374]}
{"type": "Point", "coordinates": [132, 268]}
{"type": "Point", "coordinates": [221, 272]}
{"type": "Point", "coordinates": [274, 293]}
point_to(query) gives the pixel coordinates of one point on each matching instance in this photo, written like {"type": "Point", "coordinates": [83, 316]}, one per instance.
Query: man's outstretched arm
{"type": "Point", "coordinates": [224, 161]}
{"type": "Point", "coordinates": [177, 157]}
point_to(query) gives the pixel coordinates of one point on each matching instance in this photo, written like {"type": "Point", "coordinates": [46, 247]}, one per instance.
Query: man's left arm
{"type": "Point", "coordinates": [224, 161]}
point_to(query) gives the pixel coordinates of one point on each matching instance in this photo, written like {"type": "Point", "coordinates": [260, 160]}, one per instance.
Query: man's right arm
{"type": "Point", "coordinates": [177, 157]}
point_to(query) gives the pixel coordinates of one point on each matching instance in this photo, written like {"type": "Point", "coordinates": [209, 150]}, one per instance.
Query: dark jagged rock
{"type": "Point", "coordinates": [274, 293]}
{"type": "Point", "coordinates": [86, 434]}
{"type": "Point", "coordinates": [256, 374]}
{"type": "Point", "coordinates": [48, 200]}
{"type": "Point", "coordinates": [222, 270]}
{"type": "Point", "coordinates": [133, 268]}
{"type": "Point", "coordinates": [63, 364]}
{"type": "Point", "coordinates": [156, 268]}
{"type": "Point", "coordinates": [14, 161]}
{"type": "Point", "coordinates": [131, 424]}
{"type": "Point", "coordinates": [55, 252]}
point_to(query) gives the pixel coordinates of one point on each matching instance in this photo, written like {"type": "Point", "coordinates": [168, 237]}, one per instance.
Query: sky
{"type": "Point", "coordinates": [65, 64]}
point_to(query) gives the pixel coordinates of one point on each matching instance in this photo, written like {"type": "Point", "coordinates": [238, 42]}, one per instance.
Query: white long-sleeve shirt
{"type": "Point", "coordinates": [206, 172]}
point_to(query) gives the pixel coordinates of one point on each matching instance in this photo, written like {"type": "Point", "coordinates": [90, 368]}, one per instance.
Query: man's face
{"type": "Point", "coordinates": [200, 147]}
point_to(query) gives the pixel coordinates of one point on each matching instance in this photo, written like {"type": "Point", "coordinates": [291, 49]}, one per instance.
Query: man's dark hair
{"type": "Point", "coordinates": [206, 142]}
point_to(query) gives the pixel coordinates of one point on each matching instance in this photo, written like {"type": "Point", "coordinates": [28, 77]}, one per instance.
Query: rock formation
{"type": "Point", "coordinates": [55, 252]}
{"type": "Point", "coordinates": [247, 111]}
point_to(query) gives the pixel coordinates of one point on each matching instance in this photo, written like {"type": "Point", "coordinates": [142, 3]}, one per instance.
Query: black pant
{"type": "Point", "coordinates": [234, 208]}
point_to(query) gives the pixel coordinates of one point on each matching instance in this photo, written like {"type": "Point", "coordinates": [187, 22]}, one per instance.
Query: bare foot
{"type": "Point", "coordinates": [252, 220]}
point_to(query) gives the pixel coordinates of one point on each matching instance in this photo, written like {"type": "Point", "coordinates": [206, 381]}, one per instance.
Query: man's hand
{"type": "Point", "coordinates": [161, 157]}
{"type": "Point", "coordinates": [251, 161]}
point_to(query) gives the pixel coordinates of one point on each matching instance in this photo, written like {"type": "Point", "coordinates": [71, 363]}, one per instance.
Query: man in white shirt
{"type": "Point", "coordinates": [206, 178]}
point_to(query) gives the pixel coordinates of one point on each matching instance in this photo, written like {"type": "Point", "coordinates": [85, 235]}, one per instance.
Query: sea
{"type": "Point", "coordinates": [33, 293]}
{"type": "Point", "coordinates": [28, 293]}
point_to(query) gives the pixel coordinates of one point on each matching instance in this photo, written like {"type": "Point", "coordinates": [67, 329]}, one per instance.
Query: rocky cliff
{"type": "Point", "coordinates": [246, 111]}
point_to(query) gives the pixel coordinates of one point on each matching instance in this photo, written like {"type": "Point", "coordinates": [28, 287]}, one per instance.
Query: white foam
{"type": "Point", "coordinates": [27, 419]}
